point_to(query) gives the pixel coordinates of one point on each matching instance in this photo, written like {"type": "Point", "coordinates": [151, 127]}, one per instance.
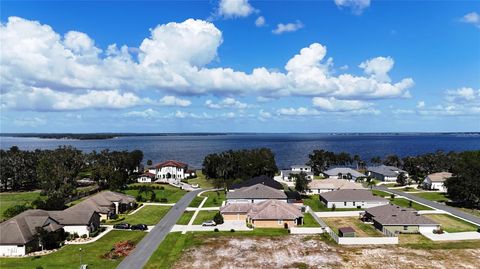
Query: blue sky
{"type": "Point", "coordinates": [240, 66]}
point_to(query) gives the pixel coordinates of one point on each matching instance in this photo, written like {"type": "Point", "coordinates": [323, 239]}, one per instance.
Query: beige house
{"type": "Point", "coordinates": [255, 194]}
{"type": "Point", "coordinates": [106, 203]}
{"type": "Point", "coordinates": [267, 214]}
{"type": "Point", "coordinates": [326, 185]}
{"type": "Point", "coordinates": [351, 199]}
{"type": "Point", "coordinates": [436, 181]}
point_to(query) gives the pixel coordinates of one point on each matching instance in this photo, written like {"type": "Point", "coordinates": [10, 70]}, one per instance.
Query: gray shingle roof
{"type": "Point", "coordinates": [344, 171]}
{"type": "Point", "coordinates": [274, 210]}
{"type": "Point", "coordinates": [102, 202]}
{"type": "Point", "coordinates": [386, 170]}
{"type": "Point", "coordinates": [395, 215]}
{"type": "Point", "coordinates": [236, 208]}
{"type": "Point", "coordinates": [339, 184]}
{"type": "Point", "coordinates": [258, 191]}
{"type": "Point", "coordinates": [351, 196]}
{"type": "Point", "coordinates": [299, 166]}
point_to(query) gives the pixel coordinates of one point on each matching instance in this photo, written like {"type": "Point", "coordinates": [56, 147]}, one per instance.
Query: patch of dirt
{"type": "Point", "coordinates": [300, 251]}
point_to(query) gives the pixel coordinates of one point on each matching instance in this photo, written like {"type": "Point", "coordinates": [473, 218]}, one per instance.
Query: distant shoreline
{"type": "Point", "coordinates": [102, 136]}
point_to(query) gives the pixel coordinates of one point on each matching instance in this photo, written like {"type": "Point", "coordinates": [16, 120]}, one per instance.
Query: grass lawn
{"type": "Point", "coordinates": [215, 198]}
{"type": "Point", "coordinates": [407, 189]}
{"type": "Point", "coordinates": [173, 194]}
{"type": "Point", "coordinates": [204, 216]}
{"type": "Point", "coordinates": [69, 256]}
{"type": "Point", "coordinates": [389, 185]}
{"type": "Point", "coordinates": [196, 201]}
{"type": "Point", "coordinates": [149, 215]}
{"type": "Point", "coordinates": [418, 241]}
{"type": "Point", "coordinates": [452, 224]}
{"type": "Point", "coordinates": [316, 205]}
{"type": "Point", "coordinates": [406, 203]}
{"type": "Point", "coordinates": [171, 249]}
{"type": "Point", "coordinates": [185, 217]}
{"type": "Point", "coordinates": [361, 229]}
{"type": "Point", "coordinates": [309, 221]}
{"type": "Point", "coordinates": [433, 196]}
{"type": "Point", "coordinates": [9, 199]}
{"type": "Point", "coordinates": [380, 193]}
{"type": "Point", "coordinates": [471, 211]}
{"type": "Point", "coordinates": [200, 180]}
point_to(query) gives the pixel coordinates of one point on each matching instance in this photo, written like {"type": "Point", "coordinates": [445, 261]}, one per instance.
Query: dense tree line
{"type": "Point", "coordinates": [55, 172]}
{"type": "Point", "coordinates": [321, 160]}
{"type": "Point", "coordinates": [464, 185]}
{"type": "Point", "coordinates": [231, 165]}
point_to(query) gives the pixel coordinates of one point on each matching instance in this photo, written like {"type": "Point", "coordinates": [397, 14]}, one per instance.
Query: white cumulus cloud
{"type": "Point", "coordinates": [288, 27]}
{"type": "Point", "coordinates": [174, 101]}
{"type": "Point", "coordinates": [333, 104]}
{"type": "Point", "coordinates": [234, 8]}
{"type": "Point", "coordinates": [226, 103]}
{"type": "Point", "coordinates": [260, 21]}
{"type": "Point", "coordinates": [357, 6]}
{"type": "Point", "coordinates": [472, 18]}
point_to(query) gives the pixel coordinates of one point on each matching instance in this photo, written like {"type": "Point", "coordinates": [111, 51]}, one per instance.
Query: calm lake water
{"type": "Point", "coordinates": [288, 148]}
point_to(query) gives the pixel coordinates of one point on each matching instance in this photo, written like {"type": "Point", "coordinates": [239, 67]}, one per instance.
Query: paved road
{"type": "Point", "coordinates": [435, 205]}
{"type": "Point", "coordinates": [139, 257]}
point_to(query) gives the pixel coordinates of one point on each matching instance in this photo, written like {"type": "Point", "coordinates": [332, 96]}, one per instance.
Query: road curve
{"type": "Point", "coordinates": [435, 205]}
{"type": "Point", "coordinates": [142, 252]}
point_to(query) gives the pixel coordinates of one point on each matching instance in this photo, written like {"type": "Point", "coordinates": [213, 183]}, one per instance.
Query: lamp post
{"type": "Point", "coordinates": [80, 249]}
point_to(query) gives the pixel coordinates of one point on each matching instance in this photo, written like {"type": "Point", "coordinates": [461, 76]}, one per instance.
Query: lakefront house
{"type": "Point", "coordinates": [170, 172]}
{"type": "Point", "coordinates": [385, 172]}
{"type": "Point", "coordinates": [287, 175]}
{"type": "Point", "coordinates": [351, 199]}
{"type": "Point", "coordinates": [342, 173]}
{"type": "Point", "coordinates": [436, 181]}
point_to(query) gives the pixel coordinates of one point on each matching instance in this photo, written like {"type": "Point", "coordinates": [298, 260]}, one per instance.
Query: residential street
{"type": "Point", "coordinates": [435, 205]}
{"type": "Point", "coordinates": [139, 257]}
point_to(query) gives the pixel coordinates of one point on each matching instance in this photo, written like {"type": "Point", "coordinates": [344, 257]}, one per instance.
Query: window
{"type": "Point", "coordinates": [405, 228]}
{"type": "Point", "coordinates": [353, 203]}
{"type": "Point", "coordinates": [345, 203]}
{"type": "Point", "coordinates": [280, 222]}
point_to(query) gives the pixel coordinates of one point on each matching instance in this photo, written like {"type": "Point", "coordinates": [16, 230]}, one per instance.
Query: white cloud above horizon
{"type": "Point", "coordinates": [356, 6]}
{"type": "Point", "coordinates": [288, 27]}
{"type": "Point", "coordinates": [471, 18]}
{"type": "Point", "coordinates": [234, 8]}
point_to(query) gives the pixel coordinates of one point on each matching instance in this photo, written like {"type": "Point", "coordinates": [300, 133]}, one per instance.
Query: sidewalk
{"type": "Point", "coordinates": [453, 236]}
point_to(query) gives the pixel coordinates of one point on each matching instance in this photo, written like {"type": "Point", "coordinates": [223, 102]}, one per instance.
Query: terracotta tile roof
{"type": "Point", "coordinates": [274, 210]}
{"type": "Point", "coordinates": [171, 163]}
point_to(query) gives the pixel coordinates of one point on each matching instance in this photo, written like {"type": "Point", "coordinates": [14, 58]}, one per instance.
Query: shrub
{"type": "Point", "coordinates": [163, 200]}
{"type": "Point", "coordinates": [215, 230]}
{"type": "Point", "coordinates": [334, 207]}
{"type": "Point", "coordinates": [39, 267]}
{"type": "Point", "coordinates": [15, 210]}
{"type": "Point", "coordinates": [392, 196]}
{"type": "Point", "coordinates": [140, 198]}
{"type": "Point", "coordinates": [218, 218]}
{"type": "Point", "coordinates": [161, 188]}
{"type": "Point", "coordinates": [84, 236]}
{"type": "Point", "coordinates": [153, 197]}
{"type": "Point", "coordinates": [232, 230]}
{"type": "Point", "coordinates": [114, 217]}
{"type": "Point", "coordinates": [75, 235]}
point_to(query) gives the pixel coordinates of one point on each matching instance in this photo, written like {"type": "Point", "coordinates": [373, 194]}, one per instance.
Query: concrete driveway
{"type": "Point", "coordinates": [142, 252]}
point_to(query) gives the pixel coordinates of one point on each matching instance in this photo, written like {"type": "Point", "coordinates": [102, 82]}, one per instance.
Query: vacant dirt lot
{"type": "Point", "coordinates": [310, 252]}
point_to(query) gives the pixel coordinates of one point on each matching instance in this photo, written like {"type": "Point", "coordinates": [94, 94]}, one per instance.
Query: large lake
{"type": "Point", "coordinates": [288, 148]}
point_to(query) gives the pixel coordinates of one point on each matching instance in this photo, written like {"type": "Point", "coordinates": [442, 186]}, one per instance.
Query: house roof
{"type": "Point", "coordinates": [265, 180]}
{"type": "Point", "coordinates": [147, 174]}
{"type": "Point", "coordinates": [395, 215]}
{"type": "Point", "coordinates": [236, 208]}
{"type": "Point", "coordinates": [336, 184]}
{"type": "Point", "coordinates": [102, 202]}
{"type": "Point", "coordinates": [386, 170]}
{"type": "Point", "coordinates": [439, 177]}
{"type": "Point", "coordinates": [299, 166]}
{"type": "Point", "coordinates": [257, 191]}
{"type": "Point", "coordinates": [274, 210]}
{"type": "Point", "coordinates": [350, 196]}
{"type": "Point", "coordinates": [72, 217]}
{"type": "Point", "coordinates": [290, 172]}
{"type": "Point", "coordinates": [344, 171]}
{"type": "Point", "coordinates": [346, 230]}
{"type": "Point", "coordinates": [21, 229]}
{"type": "Point", "coordinates": [171, 163]}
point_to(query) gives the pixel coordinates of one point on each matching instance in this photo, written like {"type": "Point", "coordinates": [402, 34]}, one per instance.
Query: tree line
{"type": "Point", "coordinates": [233, 166]}
{"type": "Point", "coordinates": [55, 172]}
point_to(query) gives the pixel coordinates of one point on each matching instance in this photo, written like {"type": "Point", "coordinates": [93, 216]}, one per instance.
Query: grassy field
{"type": "Point", "coordinates": [380, 193]}
{"type": "Point", "coordinates": [196, 201]}
{"type": "Point", "coordinates": [406, 203]}
{"type": "Point", "coordinates": [201, 181]}
{"type": "Point", "coordinates": [215, 198]}
{"type": "Point", "coordinates": [452, 224]}
{"type": "Point", "coordinates": [8, 200]}
{"type": "Point", "coordinates": [316, 205]}
{"type": "Point", "coordinates": [185, 217]}
{"type": "Point", "coordinates": [172, 194]}
{"type": "Point", "coordinates": [149, 215]}
{"type": "Point", "coordinates": [432, 196]}
{"type": "Point", "coordinates": [309, 221]}
{"type": "Point", "coordinates": [204, 216]}
{"type": "Point", "coordinates": [69, 256]}
{"type": "Point", "coordinates": [418, 241]}
{"type": "Point", "coordinates": [474, 212]}
{"type": "Point", "coordinates": [361, 229]}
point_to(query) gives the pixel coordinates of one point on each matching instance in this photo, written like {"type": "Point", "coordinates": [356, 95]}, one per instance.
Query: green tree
{"type": "Point", "coordinates": [464, 185]}
{"type": "Point", "coordinates": [301, 182]}
{"type": "Point", "coordinates": [402, 179]}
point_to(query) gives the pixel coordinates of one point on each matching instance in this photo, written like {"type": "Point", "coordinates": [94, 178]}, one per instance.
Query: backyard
{"type": "Point", "coordinates": [200, 180]}
{"type": "Point", "coordinates": [148, 214]}
{"type": "Point", "coordinates": [215, 198]}
{"type": "Point", "coordinates": [408, 204]}
{"type": "Point", "coordinates": [172, 194]}
{"type": "Point", "coordinates": [433, 196]}
{"type": "Point", "coordinates": [309, 221]}
{"type": "Point", "coordinates": [313, 201]}
{"type": "Point", "coordinates": [452, 224]}
{"type": "Point", "coordinates": [361, 229]}
{"type": "Point", "coordinates": [69, 255]}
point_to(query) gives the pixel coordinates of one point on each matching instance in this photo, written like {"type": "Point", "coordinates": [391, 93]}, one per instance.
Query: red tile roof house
{"type": "Point", "coordinates": [170, 172]}
{"type": "Point", "coordinates": [146, 177]}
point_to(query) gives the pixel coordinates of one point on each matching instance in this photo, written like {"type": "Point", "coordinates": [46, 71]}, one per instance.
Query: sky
{"type": "Point", "coordinates": [240, 66]}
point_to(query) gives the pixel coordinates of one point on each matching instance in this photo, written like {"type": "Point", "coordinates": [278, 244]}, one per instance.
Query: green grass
{"type": "Point", "coordinates": [196, 201]}
{"type": "Point", "coordinates": [200, 180]}
{"type": "Point", "coordinates": [316, 205]}
{"type": "Point", "coordinates": [215, 198]}
{"type": "Point", "coordinates": [8, 200]}
{"type": "Point", "coordinates": [173, 194]}
{"type": "Point", "coordinates": [389, 185]}
{"type": "Point", "coordinates": [406, 189]}
{"type": "Point", "coordinates": [149, 215]}
{"type": "Point", "coordinates": [185, 217]}
{"type": "Point", "coordinates": [309, 221]}
{"type": "Point", "coordinates": [433, 196]}
{"type": "Point", "coordinates": [417, 241]}
{"type": "Point", "coordinates": [452, 224]}
{"type": "Point", "coordinates": [406, 203]}
{"type": "Point", "coordinates": [380, 193]}
{"type": "Point", "coordinates": [69, 256]}
{"type": "Point", "coordinates": [203, 216]}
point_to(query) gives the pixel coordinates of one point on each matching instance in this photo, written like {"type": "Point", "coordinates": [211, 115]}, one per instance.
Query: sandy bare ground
{"type": "Point", "coordinates": [309, 252]}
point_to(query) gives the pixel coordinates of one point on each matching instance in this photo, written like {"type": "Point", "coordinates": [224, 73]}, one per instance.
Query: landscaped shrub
{"type": "Point", "coordinates": [218, 218]}
{"type": "Point", "coordinates": [232, 230]}
{"type": "Point", "coordinates": [215, 230]}
{"type": "Point", "coordinates": [114, 217]}
{"type": "Point", "coordinates": [75, 235]}
{"type": "Point", "coordinates": [120, 249]}
{"type": "Point", "coordinates": [334, 207]}
{"type": "Point", "coordinates": [84, 236]}
{"type": "Point", "coordinates": [392, 196]}
{"type": "Point", "coordinates": [163, 200]}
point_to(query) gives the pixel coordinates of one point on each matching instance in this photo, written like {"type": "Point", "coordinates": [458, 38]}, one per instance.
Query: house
{"type": "Point", "coordinates": [395, 219]}
{"type": "Point", "coordinates": [18, 235]}
{"type": "Point", "coordinates": [436, 181]}
{"type": "Point", "coordinates": [255, 194]}
{"type": "Point", "coordinates": [265, 180]}
{"type": "Point", "coordinates": [287, 175]}
{"type": "Point", "coordinates": [106, 203]}
{"type": "Point", "coordinates": [170, 172]}
{"type": "Point", "coordinates": [385, 172]}
{"type": "Point", "coordinates": [342, 173]}
{"type": "Point", "coordinates": [326, 185]}
{"type": "Point", "coordinates": [351, 199]}
{"type": "Point", "coordinates": [266, 214]}
{"type": "Point", "coordinates": [146, 177]}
